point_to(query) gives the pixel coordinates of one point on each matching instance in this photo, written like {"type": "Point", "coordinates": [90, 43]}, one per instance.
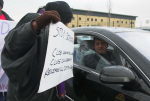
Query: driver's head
{"type": "Point", "coordinates": [100, 46]}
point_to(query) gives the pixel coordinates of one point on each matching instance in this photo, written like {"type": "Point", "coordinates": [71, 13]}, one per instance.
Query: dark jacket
{"type": "Point", "coordinates": [92, 60]}
{"type": "Point", "coordinates": [6, 15]}
{"type": "Point", "coordinates": [23, 59]}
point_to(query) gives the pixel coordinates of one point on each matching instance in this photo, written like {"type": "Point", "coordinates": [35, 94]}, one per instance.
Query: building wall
{"type": "Point", "coordinates": [80, 20]}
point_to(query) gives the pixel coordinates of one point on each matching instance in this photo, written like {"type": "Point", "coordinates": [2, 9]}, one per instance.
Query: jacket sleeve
{"type": "Point", "coordinates": [18, 50]}
{"type": "Point", "coordinates": [20, 39]}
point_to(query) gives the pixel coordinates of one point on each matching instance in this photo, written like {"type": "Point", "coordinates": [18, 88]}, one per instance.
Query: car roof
{"type": "Point", "coordinates": [111, 29]}
{"type": "Point", "coordinates": [144, 28]}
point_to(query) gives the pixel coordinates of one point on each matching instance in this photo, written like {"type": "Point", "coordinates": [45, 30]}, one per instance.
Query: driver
{"type": "Point", "coordinates": [101, 51]}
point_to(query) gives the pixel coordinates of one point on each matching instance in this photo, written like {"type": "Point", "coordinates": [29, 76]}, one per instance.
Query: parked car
{"type": "Point", "coordinates": [144, 28]}
{"type": "Point", "coordinates": [126, 80]}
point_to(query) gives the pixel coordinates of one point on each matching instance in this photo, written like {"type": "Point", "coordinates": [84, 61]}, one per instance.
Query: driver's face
{"type": "Point", "coordinates": [100, 46]}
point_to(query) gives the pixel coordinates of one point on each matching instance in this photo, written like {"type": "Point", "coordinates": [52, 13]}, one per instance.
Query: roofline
{"type": "Point", "coordinates": [104, 14]}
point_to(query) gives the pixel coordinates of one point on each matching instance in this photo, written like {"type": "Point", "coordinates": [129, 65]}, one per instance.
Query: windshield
{"type": "Point", "coordinates": [140, 40]}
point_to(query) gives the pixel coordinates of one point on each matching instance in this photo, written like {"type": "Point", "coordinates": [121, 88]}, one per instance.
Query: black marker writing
{"type": "Point", "coordinates": [56, 70]}
{"type": "Point", "coordinates": [58, 52]}
{"type": "Point", "coordinates": [63, 34]}
{"type": "Point", "coordinates": [59, 61]}
{"type": "Point", "coordinates": [6, 26]}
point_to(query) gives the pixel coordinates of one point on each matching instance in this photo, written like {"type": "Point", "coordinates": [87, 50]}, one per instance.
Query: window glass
{"type": "Point", "coordinates": [82, 46]}
{"type": "Point", "coordinates": [90, 52]}
{"type": "Point", "coordinates": [99, 56]}
{"type": "Point", "coordinates": [96, 53]}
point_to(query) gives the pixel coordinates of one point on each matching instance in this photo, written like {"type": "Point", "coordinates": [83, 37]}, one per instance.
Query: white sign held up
{"type": "Point", "coordinates": [5, 27]}
{"type": "Point", "coordinates": [59, 57]}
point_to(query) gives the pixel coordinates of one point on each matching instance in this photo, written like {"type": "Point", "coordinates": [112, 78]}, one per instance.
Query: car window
{"type": "Point", "coordinates": [124, 62]}
{"type": "Point", "coordinates": [82, 47]}
{"type": "Point", "coordinates": [86, 54]}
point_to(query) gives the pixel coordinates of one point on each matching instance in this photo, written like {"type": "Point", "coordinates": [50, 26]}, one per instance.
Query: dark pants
{"type": "Point", "coordinates": [3, 96]}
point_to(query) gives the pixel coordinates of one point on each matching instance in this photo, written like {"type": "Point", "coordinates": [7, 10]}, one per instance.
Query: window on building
{"type": "Point", "coordinates": [121, 21]}
{"type": "Point", "coordinates": [73, 18]}
{"type": "Point", "coordinates": [113, 23]}
{"type": "Point", "coordinates": [73, 26]}
{"type": "Point", "coordinates": [95, 19]}
{"type": "Point", "coordinates": [126, 22]}
{"type": "Point", "coordinates": [117, 21]}
{"type": "Point", "coordinates": [132, 23]}
{"type": "Point", "coordinates": [87, 19]}
{"type": "Point", "coordinates": [79, 18]}
{"type": "Point", "coordinates": [91, 19]}
{"type": "Point", "coordinates": [101, 20]}
{"type": "Point", "coordinates": [79, 25]}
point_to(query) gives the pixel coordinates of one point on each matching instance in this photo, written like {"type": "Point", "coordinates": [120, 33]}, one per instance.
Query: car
{"type": "Point", "coordinates": [144, 28]}
{"type": "Point", "coordinates": [126, 80]}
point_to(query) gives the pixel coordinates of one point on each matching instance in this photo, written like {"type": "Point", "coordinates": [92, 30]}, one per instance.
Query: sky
{"type": "Point", "coordinates": [140, 8]}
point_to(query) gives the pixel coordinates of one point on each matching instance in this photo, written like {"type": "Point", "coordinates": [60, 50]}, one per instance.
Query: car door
{"type": "Point", "coordinates": [94, 90]}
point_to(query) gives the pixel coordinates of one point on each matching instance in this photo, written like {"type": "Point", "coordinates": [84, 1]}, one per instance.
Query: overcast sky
{"type": "Point", "coordinates": [141, 8]}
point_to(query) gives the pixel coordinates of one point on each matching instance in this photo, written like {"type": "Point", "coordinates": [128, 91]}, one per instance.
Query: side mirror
{"type": "Point", "coordinates": [116, 74]}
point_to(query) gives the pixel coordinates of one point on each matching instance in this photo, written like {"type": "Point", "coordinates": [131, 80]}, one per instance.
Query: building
{"type": "Point", "coordinates": [94, 18]}
{"type": "Point", "coordinates": [145, 22]}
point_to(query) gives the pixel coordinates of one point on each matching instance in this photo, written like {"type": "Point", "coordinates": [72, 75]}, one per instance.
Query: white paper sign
{"type": "Point", "coordinates": [59, 57]}
{"type": "Point", "coordinates": [5, 27]}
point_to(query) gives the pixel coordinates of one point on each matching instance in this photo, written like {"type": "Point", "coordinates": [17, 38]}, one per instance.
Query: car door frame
{"type": "Point", "coordinates": [108, 38]}
{"type": "Point", "coordinates": [129, 51]}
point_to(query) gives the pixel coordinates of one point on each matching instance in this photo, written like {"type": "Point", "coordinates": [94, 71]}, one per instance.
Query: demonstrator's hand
{"type": "Point", "coordinates": [46, 18]}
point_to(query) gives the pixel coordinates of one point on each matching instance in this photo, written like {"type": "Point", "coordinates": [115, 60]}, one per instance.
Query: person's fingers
{"type": "Point", "coordinates": [54, 15]}
{"type": "Point", "coordinates": [46, 18]}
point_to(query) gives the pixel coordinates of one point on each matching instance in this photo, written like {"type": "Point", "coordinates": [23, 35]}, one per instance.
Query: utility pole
{"type": "Point", "coordinates": [109, 13]}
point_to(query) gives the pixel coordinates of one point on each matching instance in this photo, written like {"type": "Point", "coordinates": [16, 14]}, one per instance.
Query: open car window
{"type": "Point", "coordinates": [85, 54]}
